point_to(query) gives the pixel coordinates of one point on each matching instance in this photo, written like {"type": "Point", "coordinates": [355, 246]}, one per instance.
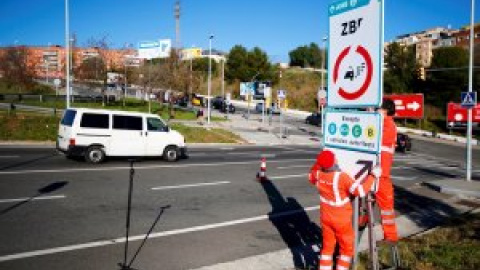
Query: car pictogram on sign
{"type": "Point", "coordinates": [350, 74]}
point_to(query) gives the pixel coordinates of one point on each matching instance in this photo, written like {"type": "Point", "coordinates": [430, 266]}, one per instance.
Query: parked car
{"type": "Point", "coordinates": [404, 143]}
{"type": "Point", "coordinates": [314, 119]}
{"type": "Point", "coordinates": [231, 108]}
{"type": "Point", "coordinates": [217, 102]}
{"type": "Point", "coordinates": [274, 109]}
{"type": "Point", "coordinates": [96, 134]}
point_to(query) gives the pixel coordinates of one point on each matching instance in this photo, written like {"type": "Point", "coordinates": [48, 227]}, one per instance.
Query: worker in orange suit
{"type": "Point", "coordinates": [384, 189]}
{"type": "Point", "coordinates": [336, 189]}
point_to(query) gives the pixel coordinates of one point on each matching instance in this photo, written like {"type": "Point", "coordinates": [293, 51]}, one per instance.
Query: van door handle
{"type": "Point", "coordinates": [146, 133]}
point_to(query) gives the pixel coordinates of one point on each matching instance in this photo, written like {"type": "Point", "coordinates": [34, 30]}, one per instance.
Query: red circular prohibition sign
{"type": "Point", "coordinates": [356, 94]}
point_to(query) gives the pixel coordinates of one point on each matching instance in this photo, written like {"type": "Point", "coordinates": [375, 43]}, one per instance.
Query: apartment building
{"type": "Point", "coordinates": [49, 61]}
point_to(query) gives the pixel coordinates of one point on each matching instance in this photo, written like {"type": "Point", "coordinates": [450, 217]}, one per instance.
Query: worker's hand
{"type": "Point", "coordinates": [376, 171]}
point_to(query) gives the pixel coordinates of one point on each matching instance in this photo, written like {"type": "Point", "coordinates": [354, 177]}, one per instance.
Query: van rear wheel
{"type": "Point", "coordinates": [171, 153]}
{"type": "Point", "coordinates": [95, 155]}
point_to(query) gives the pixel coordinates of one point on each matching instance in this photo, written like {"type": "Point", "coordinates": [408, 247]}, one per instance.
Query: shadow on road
{"type": "Point", "coordinates": [294, 226]}
{"type": "Point", "coordinates": [41, 191]}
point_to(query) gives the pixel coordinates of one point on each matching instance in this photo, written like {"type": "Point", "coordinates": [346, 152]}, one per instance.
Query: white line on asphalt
{"type": "Point", "coordinates": [227, 148]}
{"type": "Point", "coordinates": [149, 167]}
{"type": "Point", "coordinates": [294, 166]}
{"type": "Point", "coordinates": [9, 156]}
{"type": "Point", "coordinates": [244, 153]}
{"type": "Point", "coordinates": [403, 178]}
{"type": "Point", "coordinates": [41, 252]}
{"type": "Point", "coordinates": [191, 185]}
{"type": "Point", "coordinates": [33, 199]}
{"type": "Point", "coordinates": [288, 176]}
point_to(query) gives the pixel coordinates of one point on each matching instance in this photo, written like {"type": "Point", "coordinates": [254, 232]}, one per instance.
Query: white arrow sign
{"type": "Point", "coordinates": [413, 106]}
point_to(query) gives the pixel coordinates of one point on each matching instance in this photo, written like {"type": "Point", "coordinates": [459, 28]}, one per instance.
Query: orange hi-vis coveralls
{"type": "Point", "coordinates": [335, 189]}
{"type": "Point", "coordinates": [384, 190]}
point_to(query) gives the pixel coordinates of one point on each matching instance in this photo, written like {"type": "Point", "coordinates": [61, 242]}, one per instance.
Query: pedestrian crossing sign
{"type": "Point", "coordinates": [469, 99]}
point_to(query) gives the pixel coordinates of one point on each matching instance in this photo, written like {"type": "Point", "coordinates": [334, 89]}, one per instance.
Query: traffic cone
{"type": "Point", "coordinates": [262, 174]}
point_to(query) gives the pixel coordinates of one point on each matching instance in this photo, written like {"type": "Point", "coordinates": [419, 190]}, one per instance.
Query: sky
{"type": "Point", "coordinates": [276, 26]}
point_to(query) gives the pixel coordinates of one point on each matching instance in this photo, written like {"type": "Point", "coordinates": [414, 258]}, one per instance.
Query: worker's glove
{"type": "Point", "coordinates": [376, 171]}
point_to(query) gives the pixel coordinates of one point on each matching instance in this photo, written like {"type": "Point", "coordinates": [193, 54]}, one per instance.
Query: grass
{"type": "Point", "coordinates": [453, 246]}
{"type": "Point", "coordinates": [22, 126]}
{"type": "Point", "coordinates": [203, 135]}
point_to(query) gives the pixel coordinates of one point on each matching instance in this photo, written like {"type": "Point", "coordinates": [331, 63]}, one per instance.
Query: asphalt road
{"type": "Point", "coordinates": [57, 213]}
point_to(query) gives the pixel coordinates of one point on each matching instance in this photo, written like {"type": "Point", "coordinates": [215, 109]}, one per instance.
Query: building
{"type": "Point", "coordinates": [462, 37]}
{"type": "Point", "coordinates": [49, 61]}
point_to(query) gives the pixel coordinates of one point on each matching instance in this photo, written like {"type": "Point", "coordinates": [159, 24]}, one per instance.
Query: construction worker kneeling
{"type": "Point", "coordinates": [336, 189]}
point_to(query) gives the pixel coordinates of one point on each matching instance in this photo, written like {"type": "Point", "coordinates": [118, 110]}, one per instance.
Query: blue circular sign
{"type": "Point", "coordinates": [344, 130]}
{"type": "Point", "coordinates": [332, 128]}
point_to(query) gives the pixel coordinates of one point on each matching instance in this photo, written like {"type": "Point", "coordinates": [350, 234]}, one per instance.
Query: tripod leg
{"type": "Point", "coordinates": [129, 206]}
{"type": "Point", "coordinates": [371, 234]}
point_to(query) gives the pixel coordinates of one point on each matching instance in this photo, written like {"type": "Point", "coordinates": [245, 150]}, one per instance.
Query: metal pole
{"type": "Point", "coordinates": [209, 78]}
{"type": "Point", "coordinates": [125, 81]}
{"type": "Point", "coordinates": [323, 64]}
{"type": "Point", "coordinates": [470, 89]}
{"type": "Point", "coordinates": [67, 55]}
{"type": "Point", "coordinates": [223, 78]}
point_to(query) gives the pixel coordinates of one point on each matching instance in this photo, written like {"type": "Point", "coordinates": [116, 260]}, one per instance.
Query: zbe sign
{"type": "Point", "coordinates": [355, 53]}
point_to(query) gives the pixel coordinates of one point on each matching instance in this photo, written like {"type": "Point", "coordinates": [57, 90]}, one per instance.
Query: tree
{"type": "Point", "coordinates": [91, 70]}
{"type": "Point", "coordinates": [402, 74]}
{"type": "Point", "coordinates": [448, 76]}
{"type": "Point", "coordinates": [243, 65]}
{"type": "Point", "coordinates": [14, 67]}
{"type": "Point", "coordinates": [307, 56]}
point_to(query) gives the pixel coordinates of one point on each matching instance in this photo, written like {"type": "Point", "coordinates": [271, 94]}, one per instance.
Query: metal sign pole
{"type": "Point", "coordinates": [470, 88]}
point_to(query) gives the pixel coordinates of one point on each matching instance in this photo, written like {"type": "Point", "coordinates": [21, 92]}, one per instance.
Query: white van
{"type": "Point", "coordinates": [96, 134]}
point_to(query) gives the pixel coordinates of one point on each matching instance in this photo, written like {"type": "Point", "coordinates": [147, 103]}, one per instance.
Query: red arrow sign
{"type": "Point", "coordinates": [457, 113]}
{"type": "Point", "coordinates": [408, 105]}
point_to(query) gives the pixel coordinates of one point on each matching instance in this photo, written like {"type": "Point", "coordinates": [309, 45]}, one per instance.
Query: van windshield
{"type": "Point", "coordinates": [68, 117]}
{"type": "Point", "coordinates": [155, 124]}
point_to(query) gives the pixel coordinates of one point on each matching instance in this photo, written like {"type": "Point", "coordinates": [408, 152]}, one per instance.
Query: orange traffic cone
{"type": "Point", "coordinates": [262, 174]}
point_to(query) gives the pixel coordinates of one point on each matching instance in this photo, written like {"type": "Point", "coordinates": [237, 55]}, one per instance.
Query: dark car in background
{"type": "Point", "coordinates": [404, 143]}
{"type": "Point", "coordinates": [217, 102]}
{"type": "Point", "coordinates": [314, 119]}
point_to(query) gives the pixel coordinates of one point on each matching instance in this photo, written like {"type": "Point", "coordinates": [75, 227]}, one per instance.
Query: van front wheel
{"type": "Point", "coordinates": [171, 153]}
{"type": "Point", "coordinates": [94, 154]}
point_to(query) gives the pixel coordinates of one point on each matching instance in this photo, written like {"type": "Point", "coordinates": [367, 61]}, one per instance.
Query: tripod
{"type": "Point", "coordinates": [125, 265]}
{"type": "Point", "coordinates": [368, 209]}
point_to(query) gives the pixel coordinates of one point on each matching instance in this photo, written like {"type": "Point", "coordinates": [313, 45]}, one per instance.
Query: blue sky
{"type": "Point", "coordinates": [276, 26]}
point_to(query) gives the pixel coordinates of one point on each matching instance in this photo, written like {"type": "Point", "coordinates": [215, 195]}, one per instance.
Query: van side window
{"type": "Point", "coordinates": [68, 117]}
{"type": "Point", "coordinates": [127, 122]}
{"type": "Point", "coordinates": [95, 120]}
{"type": "Point", "coordinates": [155, 124]}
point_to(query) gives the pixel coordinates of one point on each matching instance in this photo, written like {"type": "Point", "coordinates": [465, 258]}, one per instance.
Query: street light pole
{"type": "Point", "coordinates": [67, 55]}
{"type": "Point", "coordinates": [209, 78]}
{"type": "Point", "coordinates": [470, 89]}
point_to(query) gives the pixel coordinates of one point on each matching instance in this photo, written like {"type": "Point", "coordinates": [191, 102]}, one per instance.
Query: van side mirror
{"type": "Point", "coordinates": [166, 129]}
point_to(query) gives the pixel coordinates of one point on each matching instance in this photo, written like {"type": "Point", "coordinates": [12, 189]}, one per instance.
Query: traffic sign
{"type": "Point", "coordinates": [355, 53]}
{"type": "Point", "coordinates": [281, 94]}
{"type": "Point", "coordinates": [408, 105]}
{"type": "Point", "coordinates": [355, 131]}
{"type": "Point", "coordinates": [469, 99]}
{"type": "Point", "coordinates": [456, 113]}
{"type": "Point", "coordinates": [355, 164]}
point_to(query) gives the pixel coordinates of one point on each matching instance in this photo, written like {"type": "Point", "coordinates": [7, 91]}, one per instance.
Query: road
{"type": "Point", "coordinates": [57, 213]}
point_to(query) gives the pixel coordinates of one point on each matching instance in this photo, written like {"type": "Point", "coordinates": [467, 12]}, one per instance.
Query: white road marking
{"type": "Point", "coordinates": [9, 156]}
{"type": "Point", "coordinates": [403, 178]}
{"type": "Point", "coordinates": [256, 153]}
{"type": "Point", "coordinates": [288, 176]}
{"type": "Point", "coordinates": [227, 148]}
{"type": "Point", "coordinates": [41, 252]}
{"type": "Point", "coordinates": [191, 185]}
{"type": "Point", "coordinates": [294, 166]}
{"type": "Point", "coordinates": [91, 169]}
{"type": "Point", "coordinates": [33, 199]}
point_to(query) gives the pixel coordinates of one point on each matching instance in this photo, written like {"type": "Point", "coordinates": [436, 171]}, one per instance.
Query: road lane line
{"type": "Point", "coordinates": [33, 199]}
{"type": "Point", "coordinates": [191, 185]}
{"type": "Point", "coordinates": [9, 156]}
{"type": "Point", "coordinates": [49, 251]}
{"type": "Point", "coordinates": [403, 178]}
{"type": "Point", "coordinates": [148, 167]}
{"type": "Point", "coordinates": [288, 176]}
{"type": "Point", "coordinates": [294, 166]}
